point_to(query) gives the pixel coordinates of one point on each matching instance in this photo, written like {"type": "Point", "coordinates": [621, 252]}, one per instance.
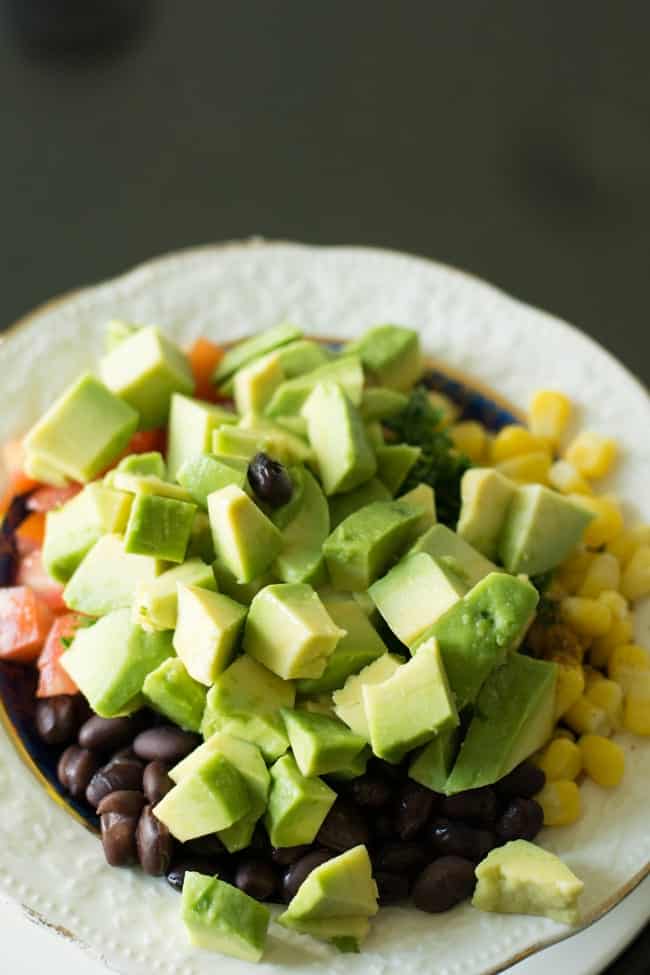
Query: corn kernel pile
{"type": "Point", "coordinates": [603, 676]}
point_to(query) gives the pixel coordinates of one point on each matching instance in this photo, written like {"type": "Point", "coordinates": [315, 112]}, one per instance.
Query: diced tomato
{"type": "Point", "coordinates": [17, 483]}
{"type": "Point", "coordinates": [144, 441]}
{"type": "Point", "coordinates": [25, 621]}
{"type": "Point", "coordinates": [47, 498]}
{"type": "Point", "coordinates": [30, 535]}
{"type": "Point", "coordinates": [52, 678]}
{"type": "Point", "coordinates": [31, 573]}
{"type": "Point", "coordinates": [204, 357]}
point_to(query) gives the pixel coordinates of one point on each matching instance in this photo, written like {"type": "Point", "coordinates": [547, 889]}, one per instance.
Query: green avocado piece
{"type": "Point", "coordinates": [258, 345]}
{"type": "Point", "coordinates": [72, 530]}
{"type": "Point", "coordinates": [541, 528]}
{"type": "Point", "coordinates": [380, 403]}
{"type": "Point", "coordinates": [514, 716]}
{"type": "Point", "coordinates": [200, 545]}
{"type": "Point", "coordinates": [230, 441]}
{"type": "Point", "coordinates": [255, 383]}
{"type": "Point", "coordinates": [340, 887]}
{"type": "Point", "coordinates": [290, 397]}
{"type": "Point", "coordinates": [155, 606]}
{"type": "Point", "coordinates": [320, 744]}
{"type": "Point", "coordinates": [151, 464]}
{"type": "Point", "coordinates": [344, 461]}
{"type": "Point", "coordinates": [426, 705]}
{"type": "Point", "coordinates": [107, 578]}
{"type": "Point", "coordinates": [191, 424]}
{"type": "Point", "coordinates": [342, 505]}
{"type": "Point", "coordinates": [245, 540]}
{"type": "Point", "coordinates": [301, 556]}
{"type": "Point", "coordinates": [332, 929]}
{"type": "Point", "coordinates": [83, 431]}
{"type": "Point", "coordinates": [278, 441]}
{"type": "Point", "coordinates": [423, 498]}
{"type": "Point", "coordinates": [207, 630]}
{"type": "Point", "coordinates": [110, 660]}
{"type": "Point", "coordinates": [476, 634]}
{"type": "Point", "coordinates": [117, 331]}
{"type": "Point", "coordinates": [348, 701]}
{"type": "Point", "coordinates": [375, 434]}
{"type": "Point", "coordinates": [355, 768]}
{"type": "Point", "coordinates": [40, 470]}
{"type": "Point", "coordinates": [289, 631]}
{"type": "Point", "coordinates": [394, 461]}
{"type": "Point", "coordinates": [205, 473]}
{"type": "Point", "coordinates": [145, 370]}
{"type": "Point", "coordinates": [241, 592]}
{"type": "Point", "coordinates": [297, 805]}
{"type": "Point", "coordinates": [304, 355]}
{"type": "Point", "coordinates": [521, 878]}
{"type": "Point", "coordinates": [391, 354]}
{"type": "Point", "coordinates": [222, 918]}
{"type": "Point", "coordinates": [160, 527]}
{"type": "Point", "coordinates": [170, 690]}
{"type": "Point", "coordinates": [433, 763]}
{"type": "Point", "coordinates": [485, 498]}
{"type": "Point", "coordinates": [454, 554]}
{"type": "Point", "coordinates": [212, 797]}
{"type": "Point", "coordinates": [146, 484]}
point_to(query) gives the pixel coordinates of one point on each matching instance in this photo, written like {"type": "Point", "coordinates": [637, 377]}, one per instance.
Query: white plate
{"type": "Point", "coordinates": [54, 867]}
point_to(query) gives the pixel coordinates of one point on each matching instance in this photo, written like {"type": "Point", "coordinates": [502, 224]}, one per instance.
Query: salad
{"type": "Point", "coordinates": [306, 635]}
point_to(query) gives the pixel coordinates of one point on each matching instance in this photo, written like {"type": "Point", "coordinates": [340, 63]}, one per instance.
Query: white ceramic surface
{"type": "Point", "coordinates": [54, 867]}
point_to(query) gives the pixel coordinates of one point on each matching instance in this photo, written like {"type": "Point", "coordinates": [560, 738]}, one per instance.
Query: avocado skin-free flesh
{"type": "Point", "coordinates": [485, 498]}
{"type": "Point", "coordinates": [320, 744]}
{"type": "Point", "coordinates": [297, 805]}
{"type": "Point", "coordinates": [223, 918]}
{"type": "Point", "coordinates": [202, 474]}
{"type": "Point", "coordinates": [344, 461]}
{"type": "Point", "coordinates": [392, 355]}
{"type": "Point", "coordinates": [301, 556]}
{"type": "Point", "coordinates": [191, 424]}
{"type": "Point", "coordinates": [454, 554]}
{"type": "Point", "coordinates": [245, 540]}
{"type": "Point", "coordinates": [340, 887]}
{"type": "Point", "coordinates": [171, 691]}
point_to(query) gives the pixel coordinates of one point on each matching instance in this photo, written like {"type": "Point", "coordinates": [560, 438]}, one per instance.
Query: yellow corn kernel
{"type": "Point", "coordinates": [569, 687]}
{"type": "Point", "coordinates": [513, 441]}
{"type": "Point", "coordinates": [607, 522]}
{"type": "Point", "coordinates": [603, 573]}
{"type": "Point", "coordinates": [603, 760]}
{"type": "Point", "coordinates": [471, 438]}
{"type": "Point", "coordinates": [588, 617]}
{"type": "Point", "coordinates": [636, 715]}
{"type": "Point", "coordinates": [592, 454]}
{"type": "Point", "coordinates": [561, 759]}
{"type": "Point", "coordinates": [584, 717]}
{"type": "Point", "coordinates": [623, 546]}
{"type": "Point", "coordinates": [565, 478]}
{"type": "Point", "coordinates": [635, 582]}
{"type": "Point", "coordinates": [608, 695]}
{"type": "Point", "coordinates": [571, 573]}
{"type": "Point", "coordinates": [602, 647]}
{"type": "Point", "coordinates": [449, 411]}
{"type": "Point", "coordinates": [549, 414]}
{"type": "Point", "coordinates": [560, 802]}
{"type": "Point", "coordinates": [626, 663]}
{"type": "Point", "coordinates": [616, 602]}
{"type": "Point", "coordinates": [527, 468]}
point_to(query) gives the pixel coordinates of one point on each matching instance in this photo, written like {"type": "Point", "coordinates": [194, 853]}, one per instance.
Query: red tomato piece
{"type": "Point", "coordinates": [144, 441]}
{"type": "Point", "coordinates": [31, 573]}
{"type": "Point", "coordinates": [52, 678]}
{"type": "Point", "coordinates": [47, 498]}
{"type": "Point", "coordinates": [204, 357]}
{"type": "Point", "coordinates": [25, 621]}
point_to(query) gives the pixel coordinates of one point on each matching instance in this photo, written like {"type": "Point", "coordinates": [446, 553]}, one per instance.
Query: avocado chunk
{"type": "Point", "coordinates": [245, 540]}
{"type": "Point", "coordinates": [160, 527]}
{"type": "Point", "coordinates": [289, 631]}
{"type": "Point", "coordinates": [432, 765]}
{"type": "Point", "coordinates": [223, 918]}
{"type": "Point", "coordinates": [358, 648]}
{"type": "Point", "coordinates": [304, 355]}
{"type": "Point", "coordinates": [342, 505]}
{"type": "Point", "coordinates": [256, 382]}
{"type": "Point", "coordinates": [320, 744]}
{"type": "Point", "coordinates": [340, 887]}
{"type": "Point", "coordinates": [301, 556]}
{"type": "Point", "coordinates": [355, 768]}
{"type": "Point", "coordinates": [476, 634]}
{"type": "Point", "coordinates": [171, 691]}
{"type": "Point", "coordinates": [367, 542]}
{"type": "Point", "coordinates": [200, 545]}
{"type": "Point", "coordinates": [258, 345]}
{"type": "Point", "coordinates": [290, 397]}
{"type": "Point", "coordinates": [375, 434]}
{"type": "Point", "coordinates": [82, 432]}
{"type": "Point", "coordinates": [423, 498]}
{"type": "Point", "coordinates": [151, 464]}
{"type": "Point", "coordinates": [205, 473]}
{"type": "Point", "coordinates": [241, 592]}
{"type": "Point", "coordinates": [117, 331]}
{"type": "Point", "coordinates": [110, 660]}
{"type": "Point", "coordinates": [191, 424]}
{"type": "Point", "coordinates": [287, 446]}
{"type": "Point", "coordinates": [414, 594]}
{"type": "Point", "coordinates": [541, 528]}
{"type": "Point", "coordinates": [348, 701]}
{"type": "Point", "coordinates": [485, 498]}
{"type": "Point", "coordinates": [234, 441]}
{"type": "Point", "coordinates": [297, 805]}
{"type": "Point", "coordinates": [155, 606]}
{"type": "Point", "coordinates": [146, 484]}
{"type": "Point", "coordinates": [344, 461]}
{"type": "Point", "coordinates": [521, 878]}
{"type": "Point", "coordinates": [72, 530]}
{"type": "Point", "coordinates": [145, 370]}
{"type": "Point", "coordinates": [245, 701]}
{"type": "Point", "coordinates": [454, 554]}
{"type": "Point", "coordinates": [514, 716]}
{"type": "Point", "coordinates": [412, 706]}
{"type": "Point", "coordinates": [107, 578]}
{"type": "Point", "coordinates": [40, 470]}
{"type": "Point", "coordinates": [391, 354]}
{"type": "Point", "coordinates": [394, 461]}
{"type": "Point", "coordinates": [208, 626]}
{"type": "Point", "coordinates": [345, 933]}
{"type": "Point", "coordinates": [380, 403]}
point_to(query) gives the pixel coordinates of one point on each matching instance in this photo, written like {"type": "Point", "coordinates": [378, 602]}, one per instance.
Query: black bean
{"type": "Point", "coordinates": [300, 870]}
{"type": "Point", "coordinates": [126, 774]}
{"type": "Point", "coordinates": [127, 802]}
{"type": "Point", "coordinates": [457, 839]}
{"type": "Point", "coordinates": [109, 734]}
{"type": "Point", "coordinates": [370, 791]}
{"type": "Point", "coordinates": [57, 719]}
{"type": "Point", "coordinates": [444, 883]}
{"type": "Point", "coordinates": [401, 857]}
{"type": "Point", "coordinates": [392, 887]}
{"type": "Point", "coordinates": [165, 744]}
{"type": "Point", "coordinates": [118, 839]}
{"type": "Point", "coordinates": [124, 754]}
{"type": "Point", "coordinates": [75, 770]}
{"type": "Point", "coordinates": [486, 840]}
{"type": "Point", "coordinates": [285, 855]}
{"type": "Point", "coordinates": [383, 828]}
{"type": "Point", "coordinates": [414, 807]}
{"type": "Point", "coordinates": [342, 828]}
{"type": "Point", "coordinates": [473, 805]}
{"type": "Point", "coordinates": [205, 846]}
{"type": "Point", "coordinates": [270, 480]}
{"type": "Point", "coordinates": [176, 874]}
{"type": "Point", "coordinates": [260, 841]}
{"type": "Point", "coordinates": [256, 878]}
{"type": "Point", "coordinates": [524, 782]}
{"type": "Point", "coordinates": [156, 782]}
{"type": "Point", "coordinates": [521, 820]}
{"type": "Point", "coordinates": [154, 843]}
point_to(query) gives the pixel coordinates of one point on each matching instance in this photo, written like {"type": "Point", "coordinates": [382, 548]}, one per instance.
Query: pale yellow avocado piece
{"type": "Point", "coordinates": [329, 928]}
{"type": "Point", "coordinates": [336, 432]}
{"type": "Point", "coordinates": [485, 499]}
{"type": "Point", "coordinates": [206, 632]}
{"type": "Point", "coordinates": [155, 606]}
{"type": "Point", "coordinates": [341, 887]}
{"type": "Point", "coordinates": [521, 878]}
{"type": "Point", "coordinates": [423, 498]}
{"type": "Point", "coordinates": [191, 424]}
{"type": "Point", "coordinates": [245, 540]}
{"type": "Point", "coordinates": [348, 701]}
{"type": "Point", "coordinates": [107, 578]}
{"type": "Point", "coordinates": [146, 484]}
{"type": "Point", "coordinates": [255, 384]}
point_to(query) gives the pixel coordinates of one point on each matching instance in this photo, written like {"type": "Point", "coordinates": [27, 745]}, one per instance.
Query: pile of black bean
{"type": "Point", "coordinates": [422, 845]}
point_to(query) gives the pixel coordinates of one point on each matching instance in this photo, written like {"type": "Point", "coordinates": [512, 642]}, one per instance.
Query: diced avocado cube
{"type": "Point", "coordinates": [340, 887]}
{"type": "Point", "coordinates": [155, 606]}
{"type": "Point", "coordinates": [333, 929]}
{"type": "Point", "coordinates": [375, 434]}
{"type": "Point", "coordinates": [256, 382]}
{"type": "Point", "coordinates": [297, 425]}
{"type": "Point", "coordinates": [200, 545]}
{"type": "Point", "coordinates": [348, 701]}
{"type": "Point", "coordinates": [540, 530]}
{"type": "Point", "coordinates": [245, 540]}
{"type": "Point", "coordinates": [146, 484]}
{"type": "Point", "coordinates": [289, 631]}
{"type": "Point", "coordinates": [320, 744]}
{"type": "Point", "coordinates": [521, 878]}
{"type": "Point", "coordinates": [362, 547]}
{"type": "Point", "coordinates": [485, 498]}
{"type": "Point", "coordinates": [426, 705]}
{"type": "Point", "coordinates": [297, 805]}
{"type": "Point", "coordinates": [219, 917]}
{"type": "Point", "coordinates": [342, 505]}
{"type": "Point", "coordinates": [107, 578]}
{"type": "Point", "coordinates": [110, 660]}
{"type": "Point", "coordinates": [170, 690]}
{"type": "Point", "coordinates": [205, 473]}
{"type": "Point", "coordinates": [151, 464]}
{"type": "Point", "coordinates": [301, 556]}
{"type": "Point", "coordinates": [432, 765]}
{"type": "Point", "coordinates": [514, 717]}
{"type": "Point", "coordinates": [355, 768]}
{"type": "Point", "coordinates": [391, 354]}
{"type": "Point", "coordinates": [476, 634]}
{"type": "Point", "coordinates": [191, 424]}
{"type": "Point", "coordinates": [454, 553]}
{"type": "Point", "coordinates": [83, 431]}
{"type": "Point", "coordinates": [287, 446]}
{"type": "Point", "coordinates": [414, 594]}
{"type": "Point", "coordinates": [258, 345]}
{"type": "Point", "coordinates": [290, 397]}
{"type": "Point", "coordinates": [144, 370]}
{"type": "Point", "coordinates": [208, 626]}
{"type": "Point", "coordinates": [394, 461]}
{"type": "Point", "coordinates": [304, 355]}
{"type": "Point", "coordinates": [344, 461]}
{"type": "Point", "coordinates": [40, 470]}
{"type": "Point", "coordinates": [235, 441]}
{"type": "Point", "coordinates": [242, 592]}
{"type": "Point", "coordinates": [318, 704]}
{"type": "Point", "coordinates": [380, 403]}
{"type": "Point", "coordinates": [117, 331]}
{"type": "Point", "coordinates": [160, 527]}
{"type": "Point", "coordinates": [212, 797]}
{"type": "Point", "coordinates": [72, 530]}
{"type": "Point", "coordinates": [423, 498]}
